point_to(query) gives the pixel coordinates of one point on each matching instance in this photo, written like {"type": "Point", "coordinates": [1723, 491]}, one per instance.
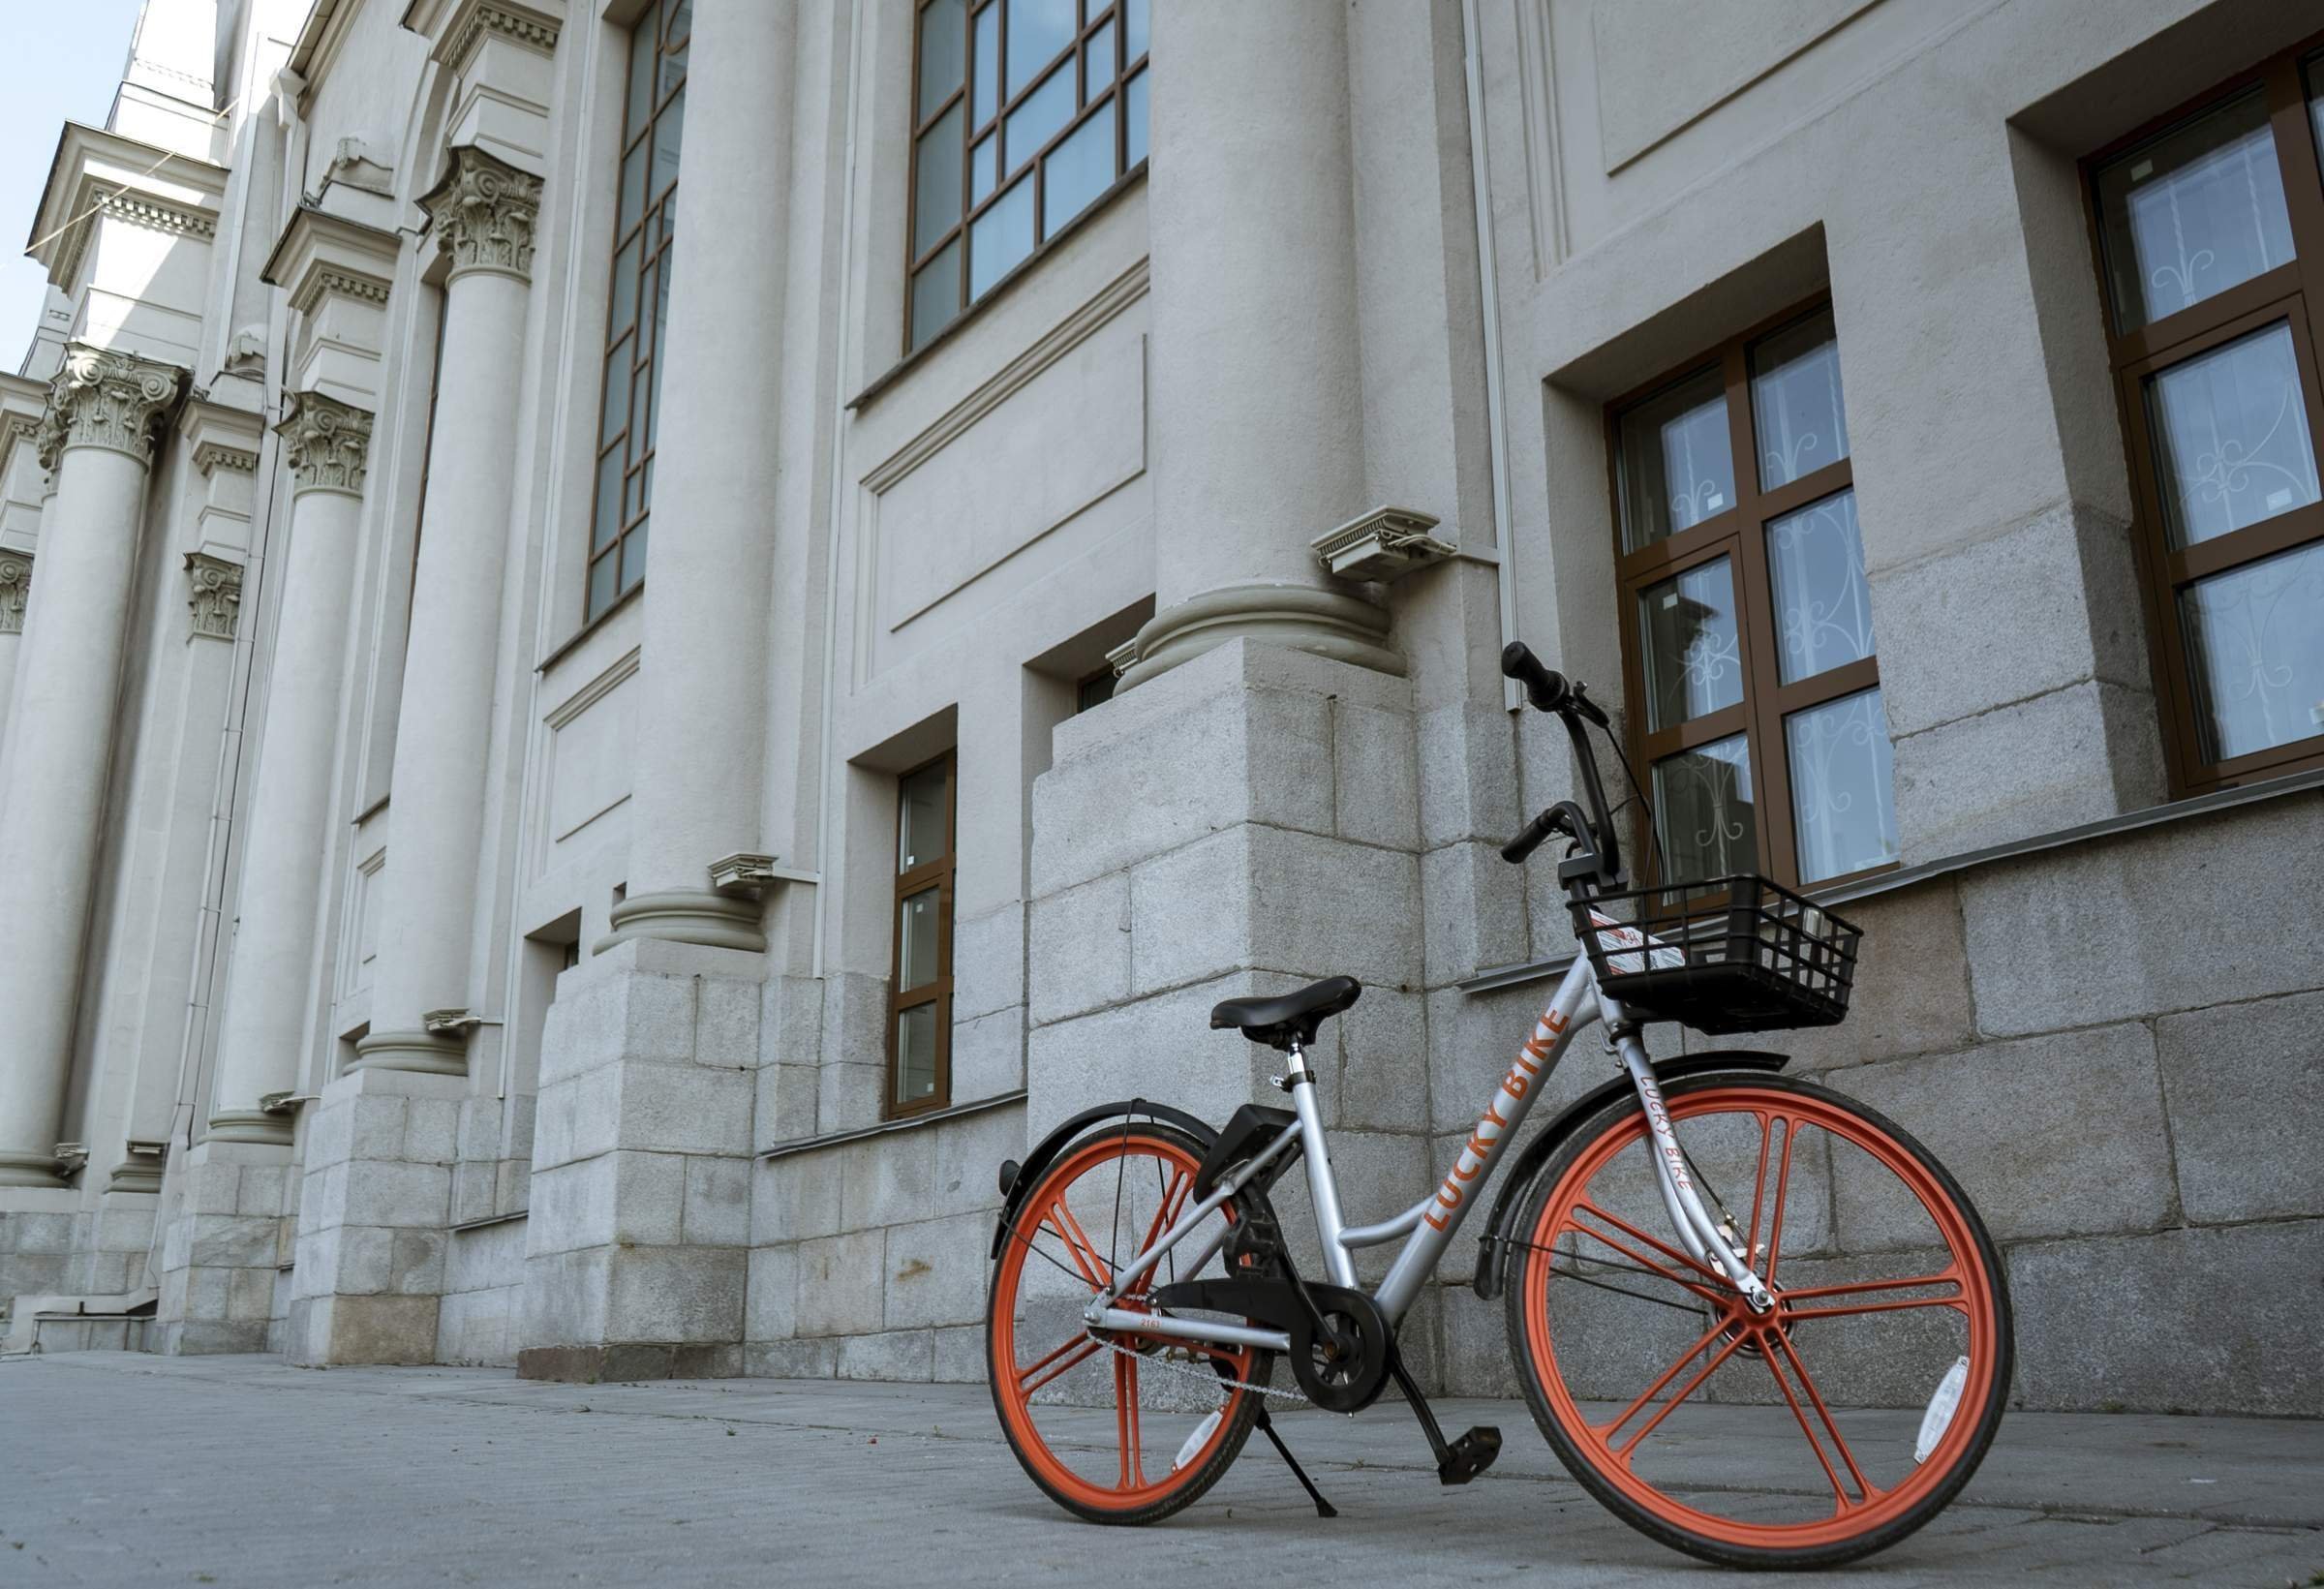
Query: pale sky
{"type": "Point", "coordinates": [59, 63]}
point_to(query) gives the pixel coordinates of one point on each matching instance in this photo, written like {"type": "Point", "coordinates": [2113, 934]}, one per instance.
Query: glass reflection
{"type": "Point", "coordinates": [916, 1053]}
{"type": "Point", "coordinates": [916, 941]}
{"type": "Point", "coordinates": [2193, 212]}
{"type": "Point", "coordinates": [2231, 437]}
{"type": "Point", "coordinates": [1843, 796]}
{"type": "Point", "coordinates": [1704, 814]}
{"type": "Point", "coordinates": [921, 831]}
{"type": "Point", "coordinates": [1795, 408]}
{"type": "Point", "coordinates": [1822, 606]}
{"type": "Point", "coordinates": [1678, 467]}
{"type": "Point", "coordinates": [1692, 648]}
{"type": "Point", "coordinates": [2255, 639]}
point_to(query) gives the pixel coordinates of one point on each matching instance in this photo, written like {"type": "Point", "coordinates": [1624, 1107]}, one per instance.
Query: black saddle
{"type": "Point", "coordinates": [1281, 1020]}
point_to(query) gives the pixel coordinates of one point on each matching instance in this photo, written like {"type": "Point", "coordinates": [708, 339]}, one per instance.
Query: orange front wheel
{"type": "Point", "coordinates": [1820, 1432]}
{"type": "Point", "coordinates": [1115, 1426]}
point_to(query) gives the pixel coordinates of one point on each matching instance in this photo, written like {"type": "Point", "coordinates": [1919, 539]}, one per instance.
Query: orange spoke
{"type": "Point", "coordinates": [1671, 1405]}
{"type": "Point", "coordinates": [1758, 1189]}
{"type": "Point", "coordinates": [1669, 1374]}
{"type": "Point", "coordinates": [1782, 1184]}
{"type": "Point", "coordinates": [1950, 1277]}
{"type": "Point", "coordinates": [1068, 1230]}
{"type": "Point", "coordinates": [1864, 1488]}
{"type": "Point", "coordinates": [1717, 1292]}
{"type": "Point", "coordinates": [1172, 1199]}
{"type": "Point", "coordinates": [1082, 1348]}
{"type": "Point", "coordinates": [1125, 1392]}
{"type": "Point", "coordinates": [1956, 1303]}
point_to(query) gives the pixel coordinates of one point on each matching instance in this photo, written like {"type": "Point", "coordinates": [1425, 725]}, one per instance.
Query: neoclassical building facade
{"type": "Point", "coordinates": [637, 636]}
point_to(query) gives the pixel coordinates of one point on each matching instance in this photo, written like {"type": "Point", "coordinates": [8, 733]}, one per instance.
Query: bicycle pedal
{"type": "Point", "coordinates": [1469, 1456]}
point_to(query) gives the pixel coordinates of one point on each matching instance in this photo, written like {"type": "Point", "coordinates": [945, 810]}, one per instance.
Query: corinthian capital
{"type": "Point", "coordinates": [482, 214]}
{"type": "Point", "coordinates": [15, 589]}
{"type": "Point", "coordinates": [214, 590]}
{"type": "Point", "coordinates": [326, 442]}
{"type": "Point", "coordinates": [105, 399]}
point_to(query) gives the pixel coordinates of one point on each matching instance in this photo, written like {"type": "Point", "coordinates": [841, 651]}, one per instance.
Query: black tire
{"type": "Point", "coordinates": [1522, 1277]}
{"type": "Point", "coordinates": [1236, 1427]}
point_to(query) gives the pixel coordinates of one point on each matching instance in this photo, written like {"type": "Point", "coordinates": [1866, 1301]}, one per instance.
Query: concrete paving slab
{"type": "Point", "coordinates": [121, 1469]}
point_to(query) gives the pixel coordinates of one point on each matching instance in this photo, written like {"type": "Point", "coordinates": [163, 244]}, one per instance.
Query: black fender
{"type": "Point", "coordinates": [1017, 1178]}
{"type": "Point", "coordinates": [1492, 1248]}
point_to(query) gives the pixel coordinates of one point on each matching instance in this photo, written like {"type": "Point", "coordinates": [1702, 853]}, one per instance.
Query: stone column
{"type": "Point", "coordinates": [101, 409]}
{"type": "Point", "coordinates": [701, 722]}
{"type": "Point", "coordinates": [1258, 435]}
{"type": "Point", "coordinates": [482, 216]}
{"type": "Point", "coordinates": [267, 991]}
{"type": "Point", "coordinates": [638, 1248]}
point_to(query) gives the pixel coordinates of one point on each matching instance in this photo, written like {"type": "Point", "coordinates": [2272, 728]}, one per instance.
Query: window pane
{"type": "Point", "coordinates": [1796, 404]}
{"type": "Point", "coordinates": [1677, 468]}
{"type": "Point", "coordinates": [1097, 60]}
{"type": "Point", "coordinates": [609, 501]}
{"type": "Point", "coordinates": [920, 826]}
{"type": "Point", "coordinates": [1842, 794]}
{"type": "Point", "coordinates": [1703, 811]}
{"type": "Point", "coordinates": [984, 169]}
{"type": "Point", "coordinates": [670, 137]}
{"type": "Point", "coordinates": [613, 403]}
{"type": "Point", "coordinates": [936, 201]}
{"type": "Point", "coordinates": [2255, 646]}
{"type": "Point", "coordinates": [1134, 27]}
{"type": "Point", "coordinates": [674, 51]}
{"type": "Point", "coordinates": [624, 308]}
{"type": "Point", "coordinates": [633, 558]}
{"type": "Point", "coordinates": [936, 294]}
{"type": "Point", "coordinates": [1079, 170]}
{"type": "Point", "coordinates": [2231, 437]}
{"type": "Point", "coordinates": [916, 941]}
{"type": "Point", "coordinates": [1134, 107]}
{"type": "Point", "coordinates": [642, 50]}
{"type": "Point", "coordinates": [681, 26]}
{"type": "Point", "coordinates": [2193, 212]}
{"type": "Point", "coordinates": [1001, 237]}
{"type": "Point", "coordinates": [1037, 30]}
{"type": "Point", "coordinates": [1045, 110]}
{"type": "Point", "coordinates": [1823, 609]}
{"type": "Point", "coordinates": [601, 583]}
{"type": "Point", "coordinates": [984, 93]}
{"type": "Point", "coordinates": [1693, 655]}
{"type": "Point", "coordinates": [634, 188]}
{"type": "Point", "coordinates": [916, 1053]}
{"type": "Point", "coordinates": [943, 52]}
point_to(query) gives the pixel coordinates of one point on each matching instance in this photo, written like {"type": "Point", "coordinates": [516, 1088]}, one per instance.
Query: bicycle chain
{"type": "Point", "coordinates": [1206, 1376]}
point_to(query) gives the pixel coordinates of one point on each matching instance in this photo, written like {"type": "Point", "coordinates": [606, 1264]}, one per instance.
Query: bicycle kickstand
{"type": "Point", "coordinates": [1267, 1427]}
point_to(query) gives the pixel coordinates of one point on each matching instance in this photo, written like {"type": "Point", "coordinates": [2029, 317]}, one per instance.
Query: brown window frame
{"type": "Point", "coordinates": [1089, 100]}
{"type": "Point", "coordinates": [644, 330]}
{"type": "Point", "coordinates": [939, 873]}
{"type": "Point", "coordinates": [2292, 293]}
{"type": "Point", "coordinates": [1739, 533]}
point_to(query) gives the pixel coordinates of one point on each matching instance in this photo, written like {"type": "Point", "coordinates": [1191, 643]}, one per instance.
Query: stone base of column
{"type": "Point", "coordinates": [251, 1125]}
{"type": "Point", "coordinates": [684, 916]}
{"type": "Point", "coordinates": [55, 1243]}
{"type": "Point", "coordinates": [1290, 617]}
{"type": "Point", "coordinates": [29, 1169]}
{"type": "Point", "coordinates": [423, 1053]}
{"type": "Point", "coordinates": [639, 1242]}
{"type": "Point", "coordinates": [373, 1212]}
{"type": "Point", "coordinates": [1245, 824]}
{"type": "Point", "coordinates": [224, 1242]}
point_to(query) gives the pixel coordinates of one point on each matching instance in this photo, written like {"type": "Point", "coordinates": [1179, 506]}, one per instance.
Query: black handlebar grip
{"type": "Point", "coordinates": [1544, 686]}
{"type": "Point", "coordinates": [1529, 841]}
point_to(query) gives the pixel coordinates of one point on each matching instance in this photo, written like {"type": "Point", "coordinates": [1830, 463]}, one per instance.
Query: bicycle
{"type": "Point", "coordinates": [1862, 1284]}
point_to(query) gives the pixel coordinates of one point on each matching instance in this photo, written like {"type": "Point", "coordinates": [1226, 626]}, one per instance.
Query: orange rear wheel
{"type": "Point", "coordinates": [1115, 1427]}
{"type": "Point", "coordinates": [1651, 1377]}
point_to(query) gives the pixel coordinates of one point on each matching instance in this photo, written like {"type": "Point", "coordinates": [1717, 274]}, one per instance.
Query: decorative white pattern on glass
{"type": "Point", "coordinates": [2231, 437]}
{"type": "Point", "coordinates": [1796, 405]}
{"type": "Point", "coordinates": [1703, 811]}
{"type": "Point", "coordinates": [2255, 641]}
{"type": "Point", "coordinates": [1677, 466]}
{"type": "Point", "coordinates": [1692, 651]}
{"type": "Point", "coordinates": [1843, 796]}
{"type": "Point", "coordinates": [1822, 607]}
{"type": "Point", "coordinates": [2193, 212]}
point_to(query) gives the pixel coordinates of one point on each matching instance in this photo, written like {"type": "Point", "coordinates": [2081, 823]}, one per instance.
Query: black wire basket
{"type": "Point", "coordinates": [1734, 954]}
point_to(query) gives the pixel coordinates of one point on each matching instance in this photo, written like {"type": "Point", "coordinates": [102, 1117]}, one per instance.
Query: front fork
{"type": "Point", "coordinates": [1703, 1236]}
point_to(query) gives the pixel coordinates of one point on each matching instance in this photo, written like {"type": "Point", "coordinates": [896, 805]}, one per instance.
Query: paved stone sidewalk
{"type": "Point", "coordinates": [123, 1469]}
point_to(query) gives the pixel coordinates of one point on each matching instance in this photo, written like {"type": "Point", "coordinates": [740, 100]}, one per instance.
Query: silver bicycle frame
{"type": "Point", "coordinates": [1429, 1225]}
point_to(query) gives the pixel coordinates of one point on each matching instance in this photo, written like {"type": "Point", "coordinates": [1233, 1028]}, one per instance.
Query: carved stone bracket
{"type": "Point", "coordinates": [142, 1171]}
{"type": "Point", "coordinates": [106, 398]}
{"type": "Point", "coordinates": [1385, 543]}
{"type": "Point", "coordinates": [482, 214]}
{"type": "Point", "coordinates": [327, 444]}
{"type": "Point", "coordinates": [215, 594]}
{"type": "Point", "coordinates": [212, 455]}
{"type": "Point", "coordinates": [16, 590]}
{"type": "Point", "coordinates": [522, 24]}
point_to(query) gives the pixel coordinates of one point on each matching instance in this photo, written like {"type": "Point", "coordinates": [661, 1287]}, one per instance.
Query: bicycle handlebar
{"type": "Point", "coordinates": [1550, 691]}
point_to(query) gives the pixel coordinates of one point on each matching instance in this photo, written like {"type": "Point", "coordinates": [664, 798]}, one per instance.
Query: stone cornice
{"type": "Point", "coordinates": [321, 254]}
{"type": "Point", "coordinates": [327, 444]}
{"type": "Point", "coordinates": [211, 455]}
{"type": "Point", "coordinates": [104, 398]}
{"type": "Point", "coordinates": [16, 590]}
{"type": "Point", "coordinates": [521, 24]}
{"type": "Point", "coordinates": [97, 173]}
{"type": "Point", "coordinates": [214, 590]}
{"type": "Point", "coordinates": [482, 213]}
